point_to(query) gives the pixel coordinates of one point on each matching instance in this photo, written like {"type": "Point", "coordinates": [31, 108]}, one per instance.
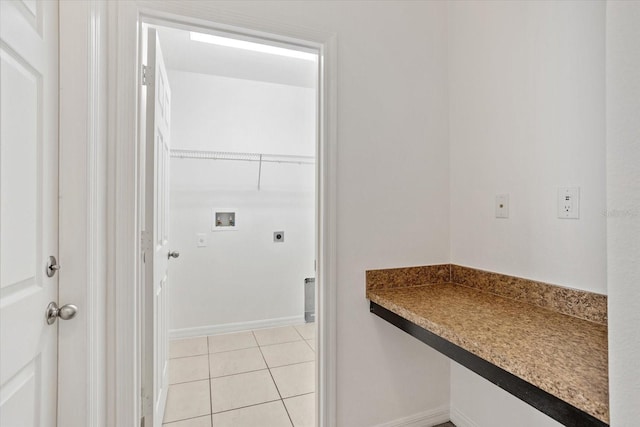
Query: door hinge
{"type": "Point", "coordinates": [145, 240]}
{"type": "Point", "coordinates": [145, 244]}
{"type": "Point", "coordinates": [147, 76]}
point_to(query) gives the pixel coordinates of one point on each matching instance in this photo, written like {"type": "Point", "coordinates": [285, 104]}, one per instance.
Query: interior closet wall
{"type": "Point", "coordinates": [241, 279]}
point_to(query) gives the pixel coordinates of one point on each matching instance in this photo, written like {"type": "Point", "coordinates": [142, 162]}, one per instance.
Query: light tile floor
{"type": "Point", "coordinates": [264, 377]}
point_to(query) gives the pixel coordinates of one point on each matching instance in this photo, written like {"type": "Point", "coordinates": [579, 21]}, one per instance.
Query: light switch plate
{"type": "Point", "coordinates": [569, 202]}
{"type": "Point", "coordinates": [502, 206]}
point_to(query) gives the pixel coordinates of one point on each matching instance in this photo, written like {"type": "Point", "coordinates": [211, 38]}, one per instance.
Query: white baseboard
{"type": "Point", "coordinates": [461, 420]}
{"type": "Point", "coordinates": [422, 419]}
{"type": "Point", "coordinates": [234, 327]}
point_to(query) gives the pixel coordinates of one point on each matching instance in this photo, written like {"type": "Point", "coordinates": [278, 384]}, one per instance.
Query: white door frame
{"type": "Point", "coordinates": [82, 207]}
{"type": "Point", "coordinates": [126, 185]}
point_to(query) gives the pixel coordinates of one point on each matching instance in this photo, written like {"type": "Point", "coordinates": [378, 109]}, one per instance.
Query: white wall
{"type": "Point", "coordinates": [527, 115]}
{"type": "Point", "coordinates": [492, 407]}
{"type": "Point", "coordinates": [623, 208]}
{"type": "Point", "coordinates": [392, 175]}
{"type": "Point", "coordinates": [241, 276]}
{"type": "Point", "coordinates": [225, 114]}
{"type": "Point", "coordinates": [527, 94]}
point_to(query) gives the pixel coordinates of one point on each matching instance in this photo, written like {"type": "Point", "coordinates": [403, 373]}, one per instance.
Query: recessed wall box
{"type": "Point", "coordinates": [224, 219]}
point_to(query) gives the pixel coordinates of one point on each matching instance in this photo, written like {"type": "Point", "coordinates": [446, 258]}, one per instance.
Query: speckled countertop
{"type": "Point", "coordinates": [560, 354]}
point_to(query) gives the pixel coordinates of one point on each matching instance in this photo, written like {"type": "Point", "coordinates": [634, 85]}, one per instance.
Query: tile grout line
{"type": "Point", "coordinates": [274, 381]}
{"type": "Point", "coordinates": [307, 340]}
{"type": "Point", "coordinates": [298, 395]}
{"type": "Point", "coordinates": [247, 406]}
{"type": "Point", "coordinates": [291, 364]}
{"type": "Point", "coordinates": [239, 373]}
{"type": "Point", "coordinates": [190, 417]}
{"type": "Point", "coordinates": [301, 336]}
{"type": "Point", "coordinates": [183, 419]}
{"type": "Point", "coordinates": [253, 370]}
{"type": "Point", "coordinates": [186, 357]}
{"type": "Point", "coordinates": [186, 382]}
{"type": "Point", "coordinates": [269, 368]}
{"type": "Point", "coordinates": [304, 340]}
{"type": "Point", "coordinates": [246, 372]}
{"type": "Point", "coordinates": [189, 381]}
{"type": "Point", "coordinates": [243, 372]}
{"type": "Point", "coordinates": [279, 343]}
{"type": "Point", "coordinates": [243, 348]}
{"type": "Point", "coordinates": [235, 349]}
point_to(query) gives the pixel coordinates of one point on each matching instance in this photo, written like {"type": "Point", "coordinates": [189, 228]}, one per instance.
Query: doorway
{"type": "Point", "coordinates": [241, 201]}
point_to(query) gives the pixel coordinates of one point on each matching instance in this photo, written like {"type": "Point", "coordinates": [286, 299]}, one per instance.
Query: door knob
{"type": "Point", "coordinates": [66, 312]}
{"type": "Point", "coordinates": [174, 254]}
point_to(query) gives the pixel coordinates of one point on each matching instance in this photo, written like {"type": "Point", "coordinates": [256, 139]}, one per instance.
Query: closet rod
{"type": "Point", "coordinates": [244, 157]}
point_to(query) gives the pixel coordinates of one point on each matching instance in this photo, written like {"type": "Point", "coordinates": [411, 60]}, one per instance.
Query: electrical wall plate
{"type": "Point", "coordinates": [278, 236]}
{"type": "Point", "coordinates": [569, 202]}
{"type": "Point", "coordinates": [502, 206]}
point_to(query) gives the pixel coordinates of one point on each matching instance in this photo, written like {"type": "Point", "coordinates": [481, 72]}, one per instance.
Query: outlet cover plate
{"type": "Point", "coordinates": [569, 202]}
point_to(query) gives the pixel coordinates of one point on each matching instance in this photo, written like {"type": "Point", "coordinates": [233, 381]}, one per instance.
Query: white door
{"type": "Point", "coordinates": [158, 101]}
{"type": "Point", "coordinates": [28, 211]}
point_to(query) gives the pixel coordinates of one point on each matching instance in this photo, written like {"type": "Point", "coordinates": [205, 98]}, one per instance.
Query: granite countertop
{"type": "Point", "coordinates": [563, 355]}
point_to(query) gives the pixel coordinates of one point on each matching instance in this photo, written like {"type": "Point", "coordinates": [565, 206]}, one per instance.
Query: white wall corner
{"type": "Point", "coordinates": [428, 418]}
{"type": "Point", "coordinates": [623, 209]}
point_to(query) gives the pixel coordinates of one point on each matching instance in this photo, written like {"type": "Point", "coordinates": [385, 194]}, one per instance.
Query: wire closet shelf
{"type": "Point", "coordinates": [260, 158]}
{"type": "Point", "coordinates": [244, 157]}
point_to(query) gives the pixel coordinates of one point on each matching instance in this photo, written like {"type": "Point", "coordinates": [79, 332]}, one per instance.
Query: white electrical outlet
{"type": "Point", "coordinates": [502, 206]}
{"type": "Point", "coordinates": [201, 240]}
{"type": "Point", "coordinates": [569, 202]}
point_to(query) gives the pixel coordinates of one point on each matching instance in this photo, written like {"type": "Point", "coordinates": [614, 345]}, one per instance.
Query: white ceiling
{"type": "Point", "coordinates": [180, 53]}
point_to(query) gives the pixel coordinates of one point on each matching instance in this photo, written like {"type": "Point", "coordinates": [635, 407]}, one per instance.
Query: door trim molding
{"type": "Point", "coordinates": [123, 211]}
{"type": "Point", "coordinates": [125, 193]}
{"type": "Point", "coordinates": [82, 223]}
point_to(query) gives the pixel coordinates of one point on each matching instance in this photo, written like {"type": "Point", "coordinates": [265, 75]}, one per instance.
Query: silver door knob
{"type": "Point", "coordinates": [66, 312]}
{"type": "Point", "coordinates": [174, 254]}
